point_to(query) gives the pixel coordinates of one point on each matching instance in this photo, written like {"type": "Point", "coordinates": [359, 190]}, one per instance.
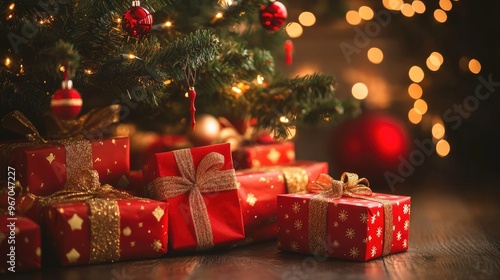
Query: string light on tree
{"type": "Point", "coordinates": [137, 21]}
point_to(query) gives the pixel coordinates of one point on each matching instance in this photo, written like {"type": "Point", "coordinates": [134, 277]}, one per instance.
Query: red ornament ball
{"type": "Point", "coordinates": [273, 16]}
{"type": "Point", "coordinates": [370, 145]}
{"type": "Point", "coordinates": [66, 103]}
{"type": "Point", "coordinates": [137, 21]}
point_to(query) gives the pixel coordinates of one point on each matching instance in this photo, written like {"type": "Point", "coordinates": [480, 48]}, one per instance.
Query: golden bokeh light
{"type": "Point", "coordinates": [375, 55]}
{"type": "Point", "coordinates": [394, 5]}
{"type": "Point", "coordinates": [434, 61]}
{"type": "Point", "coordinates": [353, 17]}
{"type": "Point", "coordinates": [414, 117]}
{"type": "Point", "coordinates": [420, 106]}
{"type": "Point", "coordinates": [415, 91]}
{"type": "Point", "coordinates": [438, 131]}
{"type": "Point", "coordinates": [442, 148]}
{"type": "Point", "coordinates": [307, 19]}
{"type": "Point", "coordinates": [474, 66]}
{"type": "Point", "coordinates": [440, 15]}
{"type": "Point", "coordinates": [365, 12]}
{"type": "Point", "coordinates": [418, 6]}
{"type": "Point", "coordinates": [416, 74]}
{"type": "Point", "coordinates": [407, 10]}
{"type": "Point", "coordinates": [445, 5]}
{"type": "Point", "coordinates": [294, 30]}
{"type": "Point", "coordinates": [359, 91]}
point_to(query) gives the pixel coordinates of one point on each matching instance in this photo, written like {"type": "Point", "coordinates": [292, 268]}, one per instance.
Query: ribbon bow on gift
{"type": "Point", "coordinates": [326, 189]}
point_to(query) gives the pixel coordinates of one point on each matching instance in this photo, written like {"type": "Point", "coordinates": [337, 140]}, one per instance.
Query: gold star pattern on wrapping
{"type": "Point", "coordinates": [398, 235]}
{"type": "Point", "coordinates": [354, 252]}
{"type": "Point", "coordinates": [296, 207]}
{"type": "Point", "coordinates": [73, 256]}
{"type": "Point", "coordinates": [158, 213]}
{"type": "Point", "coordinates": [336, 224]}
{"type": "Point", "coordinates": [343, 215]}
{"type": "Point", "coordinates": [127, 231]}
{"type": "Point", "coordinates": [156, 245]}
{"type": "Point", "coordinates": [297, 224]}
{"type": "Point", "coordinates": [273, 155]}
{"type": "Point", "coordinates": [50, 158]}
{"type": "Point", "coordinates": [374, 217]}
{"type": "Point", "coordinates": [294, 246]}
{"type": "Point", "coordinates": [373, 251]}
{"type": "Point", "coordinates": [336, 243]}
{"type": "Point", "coordinates": [290, 155]}
{"type": "Point", "coordinates": [379, 231]}
{"type": "Point", "coordinates": [75, 222]}
{"type": "Point", "coordinates": [251, 199]}
{"type": "Point", "coordinates": [406, 209]}
{"type": "Point", "coordinates": [38, 251]}
{"type": "Point", "coordinates": [407, 225]}
{"type": "Point", "coordinates": [363, 218]}
{"type": "Point", "coordinates": [349, 233]}
{"type": "Point", "coordinates": [132, 243]}
{"type": "Point", "coordinates": [286, 216]}
{"type": "Point", "coordinates": [255, 163]}
{"type": "Point", "coordinates": [405, 243]}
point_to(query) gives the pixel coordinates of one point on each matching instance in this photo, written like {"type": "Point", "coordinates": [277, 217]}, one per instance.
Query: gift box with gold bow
{"type": "Point", "coordinates": [343, 219]}
{"type": "Point", "coordinates": [259, 155]}
{"type": "Point", "coordinates": [259, 187]}
{"type": "Point", "coordinates": [101, 224]}
{"type": "Point", "coordinates": [200, 186]}
{"type": "Point", "coordinates": [43, 164]}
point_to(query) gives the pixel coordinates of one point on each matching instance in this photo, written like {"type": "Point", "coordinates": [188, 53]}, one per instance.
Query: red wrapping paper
{"type": "Point", "coordinates": [41, 168]}
{"type": "Point", "coordinates": [355, 226]}
{"type": "Point", "coordinates": [264, 155]}
{"type": "Point", "coordinates": [258, 190]}
{"type": "Point", "coordinates": [26, 241]}
{"type": "Point", "coordinates": [142, 233]}
{"type": "Point", "coordinates": [224, 210]}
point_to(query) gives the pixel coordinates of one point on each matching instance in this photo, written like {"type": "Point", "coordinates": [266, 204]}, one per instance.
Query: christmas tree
{"type": "Point", "coordinates": [222, 51]}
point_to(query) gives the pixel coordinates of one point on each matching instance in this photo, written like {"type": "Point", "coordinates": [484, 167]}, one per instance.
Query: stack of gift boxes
{"type": "Point", "coordinates": [78, 200]}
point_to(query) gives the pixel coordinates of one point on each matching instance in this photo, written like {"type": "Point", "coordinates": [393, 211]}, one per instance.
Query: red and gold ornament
{"type": "Point", "coordinates": [137, 21]}
{"type": "Point", "coordinates": [273, 16]}
{"type": "Point", "coordinates": [66, 102]}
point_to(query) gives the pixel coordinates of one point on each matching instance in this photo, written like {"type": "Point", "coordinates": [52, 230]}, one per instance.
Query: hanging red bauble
{"type": "Point", "coordinates": [288, 52]}
{"type": "Point", "coordinates": [137, 21]}
{"type": "Point", "coordinates": [273, 16]}
{"type": "Point", "coordinates": [66, 102]}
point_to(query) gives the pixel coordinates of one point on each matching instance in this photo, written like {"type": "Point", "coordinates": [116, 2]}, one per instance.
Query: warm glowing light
{"type": "Point", "coordinates": [359, 91]}
{"type": "Point", "coordinates": [88, 71]}
{"type": "Point", "coordinates": [62, 69]}
{"type": "Point", "coordinates": [414, 117]}
{"type": "Point", "coordinates": [407, 10]}
{"type": "Point", "coordinates": [415, 91]}
{"type": "Point", "coordinates": [219, 15]}
{"type": "Point", "coordinates": [284, 119]}
{"type": "Point", "coordinates": [7, 61]}
{"type": "Point", "coordinates": [420, 106]}
{"type": "Point", "coordinates": [394, 5]}
{"type": "Point", "coordinates": [416, 74]}
{"type": "Point", "coordinates": [375, 55]}
{"type": "Point", "coordinates": [440, 15]}
{"type": "Point", "coordinates": [168, 23]}
{"type": "Point", "coordinates": [474, 66]}
{"type": "Point", "coordinates": [307, 19]}
{"type": "Point", "coordinates": [237, 90]}
{"type": "Point", "coordinates": [353, 17]}
{"type": "Point", "coordinates": [442, 148]}
{"type": "Point", "coordinates": [167, 82]}
{"type": "Point", "coordinates": [445, 5]}
{"type": "Point", "coordinates": [10, 16]}
{"type": "Point", "coordinates": [434, 61]}
{"type": "Point", "coordinates": [131, 56]}
{"type": "Point", "coordinates": [365, 12]}
{"type": "Point", "coordinates": [11, 6]}
{"type": "Point", "coordinates": [418, 6]}
{"type": "Point", "coordinates": [438, 131]}
{"type": "Point", "coordinates": [260, 79]}
{"type": "Point", "coordinates": [226, 2]}
{"type": "Point", "coordinates": [294, 29]}
{"type": "Point", "coordinates": [118, 20]}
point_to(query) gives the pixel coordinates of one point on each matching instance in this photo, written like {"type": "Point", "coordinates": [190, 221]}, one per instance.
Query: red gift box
{"type": "Point", "coordinates": [102, 230]}
{"type": "Point", "coordinates": [200, 185]}
{"type": "Point", "coordinates": [259, 155]}
{"type": "Point", "coordinates": [258, 189]}
{"type": "Point", "coordinates": [20, 243]}
{"type": "Point", "coordinates": [355, 227]}
{"type": "Point", "coordinates": [44, 168]}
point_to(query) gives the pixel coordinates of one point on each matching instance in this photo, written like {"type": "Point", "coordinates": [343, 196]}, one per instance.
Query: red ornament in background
{"type": "Point", "coordinates": [370, 145]}
{"type": "Point", "coordinates": [288, 52]}
{"type": "Point", "coordinates": [66, 102]}
{"type": "Point", "coordinates": [273, 16]}
{"type": "Point", "coordinates": [137, 21]}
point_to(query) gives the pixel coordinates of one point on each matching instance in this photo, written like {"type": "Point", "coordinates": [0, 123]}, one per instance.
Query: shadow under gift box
{"type": "Point", "coordinates": [222, 207]}
{"type": "Point", "coordinates": [44, 168]}
{"type": "Point", "coordinates": [355, 227]}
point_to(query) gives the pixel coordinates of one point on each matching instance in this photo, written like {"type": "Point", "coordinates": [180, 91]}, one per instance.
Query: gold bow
{"type": "Point", "coordinates": [205, 179]}
{"type": "Point", "coordinates": [326, 188]}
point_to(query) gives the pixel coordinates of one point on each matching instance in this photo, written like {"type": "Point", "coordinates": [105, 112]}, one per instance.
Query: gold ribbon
{"type": "Point", "coordinates": [104, 213]}
{"type": "Point", "coordinates": [327, 188]}
{"type": "Point", "coordinates": [206, 178]}
{"type": "Point", "coordinates": [296, 178]}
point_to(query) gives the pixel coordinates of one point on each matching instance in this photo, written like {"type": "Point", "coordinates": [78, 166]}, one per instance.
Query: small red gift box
{"type": "Point", "coordinates": [359, 225]}
{"type": "Point", "coordinates": [258, 189]}
{"type": "Point", "coordinates": [20, 243]}
{"type": "Point", "coordinates": [44, 168]}
{"type": "Point", "coordinates": [200, 186]}
{"type": "Point", "coordinates": [264, 155]}
{"type": "Point", "coordinates": [100, 230]}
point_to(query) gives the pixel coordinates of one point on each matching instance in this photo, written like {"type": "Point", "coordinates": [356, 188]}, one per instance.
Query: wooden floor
{"type": "Point", "coordinates": [454, 234]}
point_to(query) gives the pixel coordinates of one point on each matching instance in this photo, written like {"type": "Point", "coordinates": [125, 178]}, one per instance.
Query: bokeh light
{"type": "Point", "coordinates": [375, 55]}
{"type": "Point", "coordinates": [365, 12]}
{"type": "Point", "coordinates": [474, 66]}
{"type": "Point", "coordinates": [353, 17]}
{"type": "Point", "coordinates": [440, 15]}
{"type": "Point", "coordinates": [307, 19]}
{"type": "Point", "coordinates": [359, 91]}
{"type": "Point", "coordinates": [438, 131]}
{"type": "Point", "coordinates": [294, 30]}
{"type": "Point", "coordinates": [415, 91]}
{"type": "Point", "coordinates": [416, 74]}
{"type": "Point", "coordinates": [443, 148]}
{"type": "Point", "coordinates": [414, 117]}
